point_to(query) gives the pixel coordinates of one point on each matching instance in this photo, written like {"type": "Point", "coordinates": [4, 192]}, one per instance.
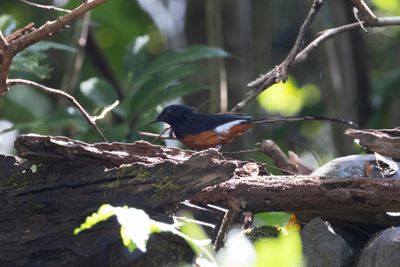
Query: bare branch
{"type": "Point", "coordinates": [105, 111]}
{"type": "Point", "coordinates": [325, 35]}
{"type": "Point", "coordinates": [386, 21]}
{"type": "Point", "coordinates": [279, 73]}
{"type": "Point", "coordinates": [272, 150]}
{"type": "Point", "coordinates": [48, 7]}
{"type": "Point", "coordinates": [23, 39]}
{"type": "Point", "coordinates": [364, 13]}
{"type": "Point", "coordinates": [19, 32]}
{"type": "Point", "coordinates": [48, 90]}
{"type": "Point", "coordinates": [156, 135]}
{"type": "Point", "coordinates": [51, 27]}
{"type": "Point", "coordinates": [3, 42]}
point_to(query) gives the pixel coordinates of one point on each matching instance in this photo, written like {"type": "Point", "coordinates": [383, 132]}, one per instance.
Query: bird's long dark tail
{"type": "Point", "coordinates": [302, 118]}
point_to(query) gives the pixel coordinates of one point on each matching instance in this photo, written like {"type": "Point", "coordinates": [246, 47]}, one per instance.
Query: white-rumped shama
{"type": "Point", "coordinates": [201, 131]}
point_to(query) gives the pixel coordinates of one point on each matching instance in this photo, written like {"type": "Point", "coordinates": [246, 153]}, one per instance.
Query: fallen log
{"type": "Point", "coordinates": [45, 197]}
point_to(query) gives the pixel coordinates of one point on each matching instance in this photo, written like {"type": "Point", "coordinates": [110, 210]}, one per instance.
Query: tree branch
{"type": "Point", "coordinates": [16, 45]}
{"type": "Point", "coordinates": [279, 73]}
{"type": "Point", "coordinates": [271, 77]}
{"type": "Point", "coordinates": [52, 27]}
{"type": "Point", "coordinates": [315, 195]}
{"type": "Point", "coordinates": [48, 7]}
{"type": "Point", "coordinates": [52, 91]}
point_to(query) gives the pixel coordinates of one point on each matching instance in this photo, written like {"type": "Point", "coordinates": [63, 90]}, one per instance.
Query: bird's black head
{"type": "Point", "coordinates": [174, 115]}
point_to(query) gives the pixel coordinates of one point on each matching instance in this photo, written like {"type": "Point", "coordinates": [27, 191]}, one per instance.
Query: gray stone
{"type": "Point", "coordinates": [322, 246]}
{"type": "Point", "coordinates": [357, 166]}
{"type": "Point", "coordinates": [382, 250]}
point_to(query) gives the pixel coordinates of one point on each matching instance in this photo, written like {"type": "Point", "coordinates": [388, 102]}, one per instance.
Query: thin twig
{"type": "Point", "coordinates": [156, 135]}
{"type": "Point", "coordinates": [21, 42]}
{"type": "Point", "coordinates": [105, 111]}
{"type": "Point", "coordinates": [48, 7]}
{"type": "Point", "coordinates": [272, 150]}
{"type": "Point", "coordinates": [226, 223]}
{"type": "Point", "coordinates": [324, 35]}
{"type": "Point", "coordinates": [295, 49]}
{"type": "Point", "coordinates": [71, 77]}
{"type": "Point", "coordinates": [48, 90]}
{"type": "Point", "coordinates": [51, 27]}
{"type": "Point", "coordinates": [19, 32]}
{"type": "Point", "coordinates": [266, 80]}
{"type": "Point", "coordinates": [3, 42]}
{"type": "Point", "coordinates": [279, 73]}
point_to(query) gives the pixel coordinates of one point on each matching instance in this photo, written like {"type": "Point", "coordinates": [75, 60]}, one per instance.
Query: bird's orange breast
{"type": "Point", "coordinates": [211, 138]}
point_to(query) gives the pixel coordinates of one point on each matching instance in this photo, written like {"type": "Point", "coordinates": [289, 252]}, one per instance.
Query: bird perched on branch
{"type": "Point", "coordinates": [201, 131]}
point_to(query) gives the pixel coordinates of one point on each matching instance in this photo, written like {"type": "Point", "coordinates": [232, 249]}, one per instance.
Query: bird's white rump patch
{"type": "Point", "coordinates": [224, 128]}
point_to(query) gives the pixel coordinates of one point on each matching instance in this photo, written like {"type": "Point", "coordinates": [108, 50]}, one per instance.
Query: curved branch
{"type": "Point", "coordinates": [48, 90]}
{"type": "Point", "coordinates": [277, 74]}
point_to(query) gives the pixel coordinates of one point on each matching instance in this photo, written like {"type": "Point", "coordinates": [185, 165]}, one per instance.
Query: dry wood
{"type": "Point", "coordinates": [64, 180]}
{"type": "Point", "coordinates": [383, 141]}
{"type": "Point", "coordinates": [353, 199]}
{"type": "Point", "coordinates": [41, 204]}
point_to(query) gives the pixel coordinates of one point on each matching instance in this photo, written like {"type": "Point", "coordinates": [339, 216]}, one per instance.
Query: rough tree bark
{"type": "Point", "coordinates": [45, 197]}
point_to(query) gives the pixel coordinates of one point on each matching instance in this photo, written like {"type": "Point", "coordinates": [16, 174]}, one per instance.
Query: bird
{"type": "Point", "coordinates": [200, 131]}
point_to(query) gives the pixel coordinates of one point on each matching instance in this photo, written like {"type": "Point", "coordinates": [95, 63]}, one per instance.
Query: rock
{"type": "Point", "coordinates": [382, 250]}
{"type": "Point", "coordinates": [358, 166]}
{"type": "Point", "coordinates": [322, 246]}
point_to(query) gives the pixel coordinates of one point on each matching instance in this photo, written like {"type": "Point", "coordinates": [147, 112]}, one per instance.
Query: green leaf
{"type": "Point", "coordinates": [98, 91]}
{"type": "Point", "coordinates": [174, 91]}
{"type": "Point", "coordinates": [175, 58]}
{"type": "Point", "coordinates": [284, 251]}
{"type": "Point", "coordinates": [155, 86]}
{"type": "Point", "coordinates": [46, 45]}
{"type": "Point", "coordinates": [136, 226]}
{"type": "Point", "coordinates": [7, 24]}
{"type": "Point", "coordinates": [388, 6]}
{"type": "Point", "coordinates": [186, 55]}
{"type": "Point", "coordinates": [196, 234]}
{"type": "Point", "coordinates": [31, 63]}
{"type": "Point", "coordinates": [103, 213]}
{"type": "Point", "coordinates": [136, 57]}
{"type": "Point", "coordinates": [272, 218]}
{"type": "Point", "coordinates": [23, 104]}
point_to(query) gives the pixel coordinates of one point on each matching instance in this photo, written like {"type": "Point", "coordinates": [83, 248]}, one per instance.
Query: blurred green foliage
{"type": "Point", "coordinates": [388, 6]}
{"type": "Point", "coordinates": [132, 45]}
{"type": "Point", "coordinates": [288, 98]}
{"type": "Point", "coordinates": [148, 80]}
{"type": "Point", "coordinates": [136, 228]}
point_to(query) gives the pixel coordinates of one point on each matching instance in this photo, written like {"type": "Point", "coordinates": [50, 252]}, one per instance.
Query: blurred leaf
{"type": "Point", "coordinates": [30, 63]}
{"type": "Point", "coordinates": [116, 132]}
{"type": "Point", "coordinates": [310, 94]}
{"type": "Point", "coordinates": [186, 55]}
{"type": "Point", "coordinates": [174, 58]}
{"type": "Point", "coordinates": [136, 57]}
{"type": "Point", "coordinates": [174, 91]}
{"type": "Point", "coordinates": [155, 86]}
{"type": "Point", "coordinates": [98, 91]}
{"type": "Point", "coordinates": [237, 251]}
{"type": "Point", "coordinates": [389, 6]}
{"type": "Point", "coordinates": [136, 225]}
{"type": "Point", "coordinates": [7, 24]}
{"type": "Point", "coordinates": [102, 214]}
{"type": "Point", "coordinates": [196, 232]}
{"type": "Point", "coordinates": [271, 218]}
{"type": "Point", "coordinates": [46, 45]}
{"type": "Point", "coordinates": [28, 103]}
{"type": "Point", "coordinates": [284, 251]}
{"type": "Point", "coordinates": [31, 59]}
{"type": "Point", "coordinates": [287, 98]}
